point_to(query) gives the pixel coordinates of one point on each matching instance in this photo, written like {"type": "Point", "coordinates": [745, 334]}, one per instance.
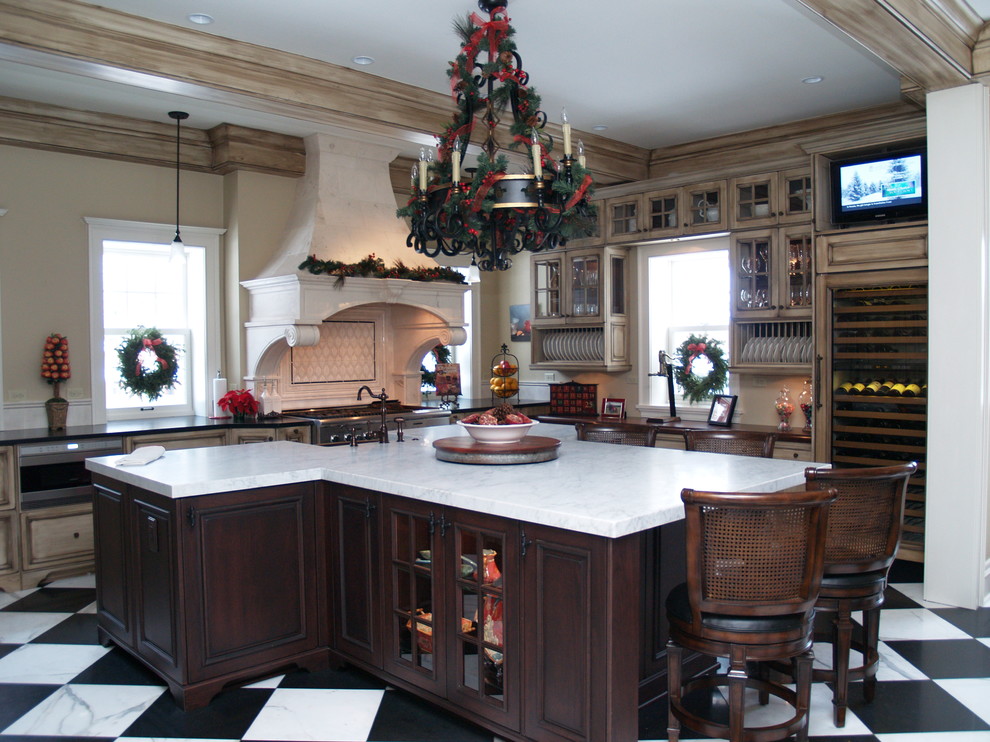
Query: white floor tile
{"type": "Point", "coordinates": [8, 598]}
{"type": "Point", "coordinates": [49, 664]}
{"type": "Point", "coordinates": [892, 665]}
{"type": "Point", "coordinates": [171, 739]}
{"type": "Point", "coordinates": [936, 737]}
{"type": "Point", "coordinates": [984, 640]}
{"type": "Point", "coordinates": [20, 627]}
{"type": "Point", "coordinates": [306, 715]}
{"type": "Point", "coordinates": [267, 682]}
{"type": "Point", "coordinates": [973, 693]}
{"type": "Point", "coordinates": [914, 591]}
{"type": "Point", "coordinates": [86, 580]}
{"type": "Point", "coordinates": [87, 711]}
{"type": "Point", "coordinates": [91, 608]}
{"type": "Point", "coordinates": [916, 623]}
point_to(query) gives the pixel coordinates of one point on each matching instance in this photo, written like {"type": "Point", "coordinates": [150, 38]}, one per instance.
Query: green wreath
{"type": "Point", "coordinates": [698, 388]}
{"type": "Point", "coordinates": [134, 376]}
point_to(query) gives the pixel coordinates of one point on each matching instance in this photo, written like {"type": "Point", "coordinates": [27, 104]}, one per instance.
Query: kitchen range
{"type": "Point", "coordinates": [340, 426]}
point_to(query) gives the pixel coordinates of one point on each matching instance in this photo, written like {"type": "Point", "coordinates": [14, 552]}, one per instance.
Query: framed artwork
{"type": "Point", "coordinates": [519, 325]}
{"type": "Point", "coordinates": [723, 405]}
{"type": "Point", "coordinates": [613, 408]}
{"type": "Point", "coordinates": [448, 379]}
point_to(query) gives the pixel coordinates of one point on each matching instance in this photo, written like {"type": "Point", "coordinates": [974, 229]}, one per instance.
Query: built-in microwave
{"type": "Point", "coordinates": [54, 473]}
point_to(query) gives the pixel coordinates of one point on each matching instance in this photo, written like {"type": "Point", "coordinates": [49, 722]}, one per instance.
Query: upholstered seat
{"type": "Point", "coordinates": [736, 442]}
{"type": "Point", "coordinates": [754, 568]}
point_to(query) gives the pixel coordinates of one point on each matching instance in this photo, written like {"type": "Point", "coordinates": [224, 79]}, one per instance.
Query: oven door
{"type": "Point", "coordinates": [55, 473]}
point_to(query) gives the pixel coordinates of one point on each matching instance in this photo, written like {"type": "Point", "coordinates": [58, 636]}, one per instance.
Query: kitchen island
{"type": "Point", "coordinates": [509, 594]}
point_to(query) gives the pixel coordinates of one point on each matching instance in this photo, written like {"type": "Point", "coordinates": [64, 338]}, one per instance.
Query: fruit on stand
{"type": "Point", "coordinates": [55, 369]}
{"type": "Point", "coordinates": [504, 368]}
{"type": "Point", "coordinates": [504, 386]}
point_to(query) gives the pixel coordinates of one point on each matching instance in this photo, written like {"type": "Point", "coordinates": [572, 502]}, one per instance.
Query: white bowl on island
{"type": "Point", "coordinates": [498, 433]}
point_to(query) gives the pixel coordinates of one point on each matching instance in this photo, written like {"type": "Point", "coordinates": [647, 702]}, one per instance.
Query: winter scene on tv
{"type": "Point", "coordinates": [886, 181]}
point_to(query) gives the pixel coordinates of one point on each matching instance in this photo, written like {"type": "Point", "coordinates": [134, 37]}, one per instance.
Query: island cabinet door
{"type": "Point", "coordinates": [414, 533]}
{"type": "Point", "coordinates": [481, 554]}
{"type": "Point", "coordinates": [250, 567]}
{"type": "Point", "coordinates": [113, 604]}
{"type": "Point", "coordinates": [580, 635]}
{"type": "Point", "coordinates": [355, 572]}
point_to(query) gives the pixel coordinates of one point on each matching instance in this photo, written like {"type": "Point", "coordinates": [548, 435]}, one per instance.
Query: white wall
{"type": "Point", "coordinates": [958, 474]}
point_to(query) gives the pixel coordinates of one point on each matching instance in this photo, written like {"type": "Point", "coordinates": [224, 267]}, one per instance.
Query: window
{"type": "Point", "coordinates": [685, 290]}
{"type": "Point", "coordinates": [462, 354]}
{"type": "Point", "coordinates": [134, 282]}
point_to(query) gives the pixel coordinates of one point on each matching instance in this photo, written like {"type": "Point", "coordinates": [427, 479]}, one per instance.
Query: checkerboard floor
{"type": "Point", "coordinates": [58, 682]}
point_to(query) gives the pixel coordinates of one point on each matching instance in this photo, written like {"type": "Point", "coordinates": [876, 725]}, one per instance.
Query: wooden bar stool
{"type": "Point", "coordinates": [621, 433]}
{"type": "Point", "coordinates": [864, 530]}
{"type": "Point", "coordinates": [737, 442]}
{"type": "Point", "coordinates": [754, 565]}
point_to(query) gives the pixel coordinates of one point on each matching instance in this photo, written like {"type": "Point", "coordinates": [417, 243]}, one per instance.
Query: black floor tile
{"type": "Point", "coordinates": [894, 598]}
{"type": "Point", "coordinates": [349, 679]}
{"type": "Point", "coordinates": [6, 649]}
{"type": "Point", "coordinates": [55, 600]}
{"type": "Point", "coordinates": [403, 718]}
{"type": "Point", "coordinates": [228, 716]}
{"type": "Point", "coordinates": [914, 706]}
{"type": "Point", "coordinates": [904, 571]}
{"type": "Point", "coordinates": [17, 699]}
{"type": "Point", "coordinates": [844, 738]}
{"type": "Point", "coordinates": [946, 658]}
{"type": "Point", "coordinates": [46, 738]}
{"type": "Point", "coordinates": [79, 628]}
{"type": "Point", "coordinates": [117, 668]}
{"type": "Point", "coordinates": [975, 623]}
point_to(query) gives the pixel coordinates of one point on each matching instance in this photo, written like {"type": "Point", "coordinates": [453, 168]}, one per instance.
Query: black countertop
{"type": "Point", "coordinates": [137, 427]}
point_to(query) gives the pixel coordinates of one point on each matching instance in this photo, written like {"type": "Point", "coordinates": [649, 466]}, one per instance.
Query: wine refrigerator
{"type": "Point", "coordinates": [872, 379]}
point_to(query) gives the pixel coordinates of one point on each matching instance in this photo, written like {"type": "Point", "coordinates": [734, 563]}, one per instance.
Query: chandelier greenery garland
{"type": "Point", "coordinates": [450, 216]}
{"type": "Point", "coordinates": [134, 374]}
{"type": "Point", "coordinates": [698, 388]}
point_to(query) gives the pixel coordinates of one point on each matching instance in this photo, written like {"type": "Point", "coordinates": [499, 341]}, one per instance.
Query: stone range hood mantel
{"type": "Point", "coordinates": [287, 311]}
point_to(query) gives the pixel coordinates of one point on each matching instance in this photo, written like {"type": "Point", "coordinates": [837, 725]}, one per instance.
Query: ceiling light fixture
{"type": "Point", "coordinates": [363, 60]}
{"type": "Point", "coordinates": [200, 19]}
{"type": "Point", "coordinates": [491, 214]}
{"type": "Point", "coordinates": [599, 127]}
{"type": "Point", "coordinates": [814, 79]}
{"type": "Point", "coordinates": [178, 249]}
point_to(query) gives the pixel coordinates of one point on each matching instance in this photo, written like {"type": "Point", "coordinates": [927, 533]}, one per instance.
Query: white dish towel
{"type": "Point", "coordinates": [142, 456]}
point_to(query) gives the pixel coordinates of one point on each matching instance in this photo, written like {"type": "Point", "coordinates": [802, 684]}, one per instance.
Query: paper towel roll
{"type": "Point", "coordinates": [219, 389]}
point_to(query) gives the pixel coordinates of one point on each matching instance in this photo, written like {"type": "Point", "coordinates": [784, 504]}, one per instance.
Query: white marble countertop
{"type": "Point", "coordinates": [595, 488]}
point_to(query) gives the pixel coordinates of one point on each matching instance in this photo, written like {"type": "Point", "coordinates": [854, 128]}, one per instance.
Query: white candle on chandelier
{"type": "Point", "coordinates": [567, 132]}
{"type": "Point", "coordinates": [422, 169]}
{"type": "Point", "coordinates": [537, 156]}
{"type": "Point", "coordinates": [581, 160]}
{"type": "Point", "coordinates": [455, 161]}
{"type": "Point", "coordinates": [414, 177]}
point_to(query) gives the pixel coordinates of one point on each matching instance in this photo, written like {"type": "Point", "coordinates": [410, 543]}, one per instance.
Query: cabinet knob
{"type": "Point", "coordinates": [75, 535]}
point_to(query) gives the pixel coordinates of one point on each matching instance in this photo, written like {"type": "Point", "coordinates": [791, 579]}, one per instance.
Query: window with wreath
{"type": "Point", "coordinates": [685, 312]}
{"type": "Point", "coordinates": [155, 317]}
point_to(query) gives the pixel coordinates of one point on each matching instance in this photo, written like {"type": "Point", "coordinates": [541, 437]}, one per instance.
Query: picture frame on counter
{"type": "Point", "coordinates": [613, 408]}
{"type": "Point", "coordinates": [723, 407]}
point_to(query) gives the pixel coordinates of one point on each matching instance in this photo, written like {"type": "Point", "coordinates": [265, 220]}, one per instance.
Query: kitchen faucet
{"type": "Point", "coordinates": [383, 397]}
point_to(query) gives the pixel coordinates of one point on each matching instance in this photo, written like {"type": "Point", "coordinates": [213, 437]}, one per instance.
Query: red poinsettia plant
{"type": "Point", "coordinates": [55, 362]}
{"type": "Point", "coordinates": [238, 402]}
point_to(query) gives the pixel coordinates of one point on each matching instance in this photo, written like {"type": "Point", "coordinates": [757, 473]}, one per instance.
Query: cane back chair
{"type": "Point", "coordinates": [738, 442]}
{"type": "Point", "coordinates": [620, 433]}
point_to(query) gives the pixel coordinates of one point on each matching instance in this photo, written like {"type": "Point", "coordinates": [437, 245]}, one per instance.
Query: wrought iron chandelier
{"type": "Point", "coordinates": [485, 211]}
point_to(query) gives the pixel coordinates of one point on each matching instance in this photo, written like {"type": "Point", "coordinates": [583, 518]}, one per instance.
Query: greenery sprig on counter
{"type": "Point", "coordinates": [374, 267]}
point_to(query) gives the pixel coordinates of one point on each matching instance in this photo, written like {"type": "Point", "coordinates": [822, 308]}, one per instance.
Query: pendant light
{"type": "Point", "coordinates": [178, 249]}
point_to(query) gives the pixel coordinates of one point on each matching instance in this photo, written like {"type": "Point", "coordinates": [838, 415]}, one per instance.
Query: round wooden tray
{"type": "Point", "coordinates": [465, 450]}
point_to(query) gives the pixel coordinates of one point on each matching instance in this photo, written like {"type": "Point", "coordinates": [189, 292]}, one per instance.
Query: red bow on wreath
{"type": "Point", "coordinates": [695, 349]}
{"type": "Point", "coordinates": [149, 343]}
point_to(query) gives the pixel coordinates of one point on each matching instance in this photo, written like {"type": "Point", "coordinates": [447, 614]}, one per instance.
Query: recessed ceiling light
{"type": "Point", "coordinates": [200, 19]}
{"type": "Point", "coordinates": [599, 127]}
{"type": "Point", "coordinates": [812, 80]}
{"type": "Point", "coordinates": [363, 60]}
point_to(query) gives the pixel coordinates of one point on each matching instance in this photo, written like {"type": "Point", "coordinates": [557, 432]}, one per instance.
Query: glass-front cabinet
{"type": "Point", "coordinates": [770, 199]}
{"type": "Point", "coordinates": [580, 308]}
{"type": "Point", "coordinates": [772, 272]}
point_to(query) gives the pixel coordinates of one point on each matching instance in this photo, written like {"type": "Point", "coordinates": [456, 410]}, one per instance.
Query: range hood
{"type": "Point", "coordinates": [323, 340]}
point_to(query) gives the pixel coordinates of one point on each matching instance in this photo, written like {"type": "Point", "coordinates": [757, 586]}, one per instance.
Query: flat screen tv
{"type": "Point", "coordinates": [879, 187]}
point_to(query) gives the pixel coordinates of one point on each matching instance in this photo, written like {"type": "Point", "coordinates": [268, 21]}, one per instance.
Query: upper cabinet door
{"type": "Point", "coordinates": [794, 196]}
{"type": "Point", "coordinates": [548, 286]}
{"type": "Point", "coordinates": [624, 220]}
{"type": "Point", "coordinates": [705, 208]}
{"type": "Point", "coordinates": [769, 199]}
